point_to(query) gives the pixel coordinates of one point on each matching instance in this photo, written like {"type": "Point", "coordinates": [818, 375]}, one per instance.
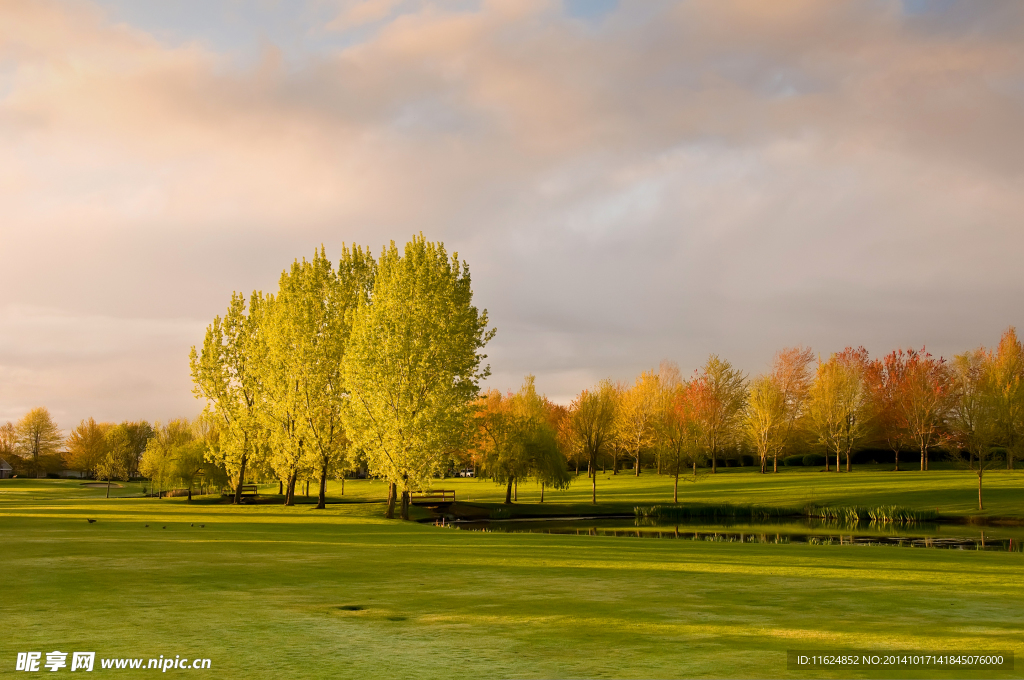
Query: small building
{"type": "Point", "coordinates": [5, 469]}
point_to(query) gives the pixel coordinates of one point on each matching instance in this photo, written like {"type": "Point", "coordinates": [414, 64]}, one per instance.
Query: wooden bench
{"type": "Point", "coordinates": [250, 490]}
{"type": "Point", "coordinates": [432, 497]}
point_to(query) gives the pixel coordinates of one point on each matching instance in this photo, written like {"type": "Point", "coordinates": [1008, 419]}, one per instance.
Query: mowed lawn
{"type": "Point", "coordinates": [272, 592]}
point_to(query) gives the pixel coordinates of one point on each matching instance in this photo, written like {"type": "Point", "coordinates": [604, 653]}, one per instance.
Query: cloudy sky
{"type": "Point", "coordinates": [629, 181]}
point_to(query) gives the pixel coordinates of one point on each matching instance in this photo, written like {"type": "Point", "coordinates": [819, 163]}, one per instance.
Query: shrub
{"type": "Point", "coordinates": [747, 461]}
{"type": "Point", "coordinates": [793, 461]}
{"type": "Point", "coordinates": [813, 459]}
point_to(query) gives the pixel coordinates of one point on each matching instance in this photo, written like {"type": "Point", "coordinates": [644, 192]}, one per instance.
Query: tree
{"type": "Point", "coordinates": [1008, 386]}
{"type": "Point", "coordinates": [720, 393]}
{"type": "Point", "coordinates": [591, 423]}
{"type": "Point", "coordinates": [37, 435]}
{"type": "Point", "coordinates": [412, 367]}
{"type": "Point", "coordinates": [120, 450]}
{"type": "Point", "coordinates": [838, 407]}
{"type": "Point", "coordinates": [8, 441]}
{"type": "Point", "coordinates": [972, 415]}
{"type": "Point", "coordinates": [307, 326]}
{"type": "Point", "coordinates": [765, 418]}
{"type": "Point", "coordinates": [886, 381]}
{"type": "Point", "coordinates": [519, 441]}
{"type": "Point", "coordinates": [226, 374]}
{"type": "Point", "coordinates": [791, 372]}
{"type": "Point", "coordinates": [679, 429]}
{"type": "Point", "coordinates": [635, 416]}
{"type": "Point", "coordinates": [923, 400]}
{"type": "Point", "coordinates": [86, 446]}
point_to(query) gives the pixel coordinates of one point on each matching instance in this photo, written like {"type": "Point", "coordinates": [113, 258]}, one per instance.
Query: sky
{"type": "Point", "coordinates": [628, 181]}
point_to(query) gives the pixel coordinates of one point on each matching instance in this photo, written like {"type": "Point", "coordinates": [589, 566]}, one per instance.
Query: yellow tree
{"type": "Point", "coordinates": [765, 418]}
{"type": "Point", "coordinates": [839, 407]}
{"type": "Point", "coordinates": [38, 436]}
{"type": "Point", "coordinates": [678, 429]}
{"type": "Point", "coordinates": [86, 446]}
{"type": "Point", "coordinates": [635, 416]}
{"type": "Point", "coordinates": [591, 423]}
{"type": "Point", "coordinates": [413, 366]}
{"type": "Point", "coordinates": [1008, 394]}
{"type": "Point", "coordinates": [226, 374]}
{"type": "Point", "coordinates": [972, 415]}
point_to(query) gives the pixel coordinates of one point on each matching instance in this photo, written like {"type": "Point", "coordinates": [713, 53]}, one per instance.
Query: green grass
{"type": "Point", "coordinates": [272, 592]}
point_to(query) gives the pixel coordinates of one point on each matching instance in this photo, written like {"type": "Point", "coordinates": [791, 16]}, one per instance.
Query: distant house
{"type": "Point", "coordinates": [5, 469]}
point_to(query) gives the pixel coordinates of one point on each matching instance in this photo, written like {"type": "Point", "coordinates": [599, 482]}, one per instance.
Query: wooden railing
{"type": "Point", "coordinates": [432, 496]}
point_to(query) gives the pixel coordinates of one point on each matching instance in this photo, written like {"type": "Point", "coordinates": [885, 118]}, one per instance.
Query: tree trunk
{"type": "Point", "coordinates": [190, 492]}
{"type": "Point", "coordinates": [593, 490]}
{"type": "Point", "coordinates": [714, 461]}
{"type": "Point", "coordinates": [405, 505]}
{"type": "Point", "coordinates": [897, 452]}
{"type": "Point", "coordinates": [577, 467]}
{"type": "Point", "coordinates": [695, 468]}
{"type": "Point", "coordinates": [775, 463]}
{"type": "Point", "coordinates": [389, 513]}
{"type": "Point", "coordinates": [675, 487]}
{"type": "Point", "coordinates": [847, 461]}
{"type": "Point", "coordinates": [343, 485]}
{"type": "Point", "coordinates": [764, 465]}
{"type": "Point", "coordinates": [924, 463]}
{"type": "Point", "coordinates": [615, 463]}
{"type": "Point", "coordinates": [981, 506]}
{"type": "Point", "coordinates": [322, 500]}
{"type": "Point", "coordinates": [542, 492]}
{"type": "Point", "coordinates": [307, 487]}
{"type": "Point", "coordinates": [826, 460]}
{"type": "Point", "coordinates": [637, 463]}
{"type": "Point", "coordinates": [241, 480]}
{"type": "Point", "coordinates": [108, 487]}
{"type": "Point", "coordinates": [515, 491]}
{"type": "Point", "coordinates": [289, 499]}
{"type": "Point", "coordinates": [280, 487]}
{"type": "Point", "coordinates": [508, 491]}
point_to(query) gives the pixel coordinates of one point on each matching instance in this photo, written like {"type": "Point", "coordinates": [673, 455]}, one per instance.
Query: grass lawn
{"type": "Point", "coordinates": [263, 590]}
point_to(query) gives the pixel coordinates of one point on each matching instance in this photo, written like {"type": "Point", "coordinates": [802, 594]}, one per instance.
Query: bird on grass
{"type": "Point", "coordinates": [202, 526]}
{"type": "Point", "coordinates": [163, 527]}
{"type": "Point", "coordinates": [191, 525]}
{"type": "Point", "coordinates": [90, 521]}
{"type": "Point", "coordinates": [147, 526]}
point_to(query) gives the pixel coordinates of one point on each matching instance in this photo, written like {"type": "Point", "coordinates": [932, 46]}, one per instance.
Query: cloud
{"type": "Point", "coordinates": [671, 180]}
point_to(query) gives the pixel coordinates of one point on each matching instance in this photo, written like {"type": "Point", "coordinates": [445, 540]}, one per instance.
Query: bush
{"type": "Point", "coordinates": [793, 461]}
{"type": "Point", "coordinates": [813, 459]}
{"type": "Point", "coordinates": [730, 462]}
{"type": "Point", "coordinates": [746, 461]}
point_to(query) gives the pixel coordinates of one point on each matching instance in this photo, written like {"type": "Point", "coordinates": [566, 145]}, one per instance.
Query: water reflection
{"type": "Point", "coordinates": [812, 532]}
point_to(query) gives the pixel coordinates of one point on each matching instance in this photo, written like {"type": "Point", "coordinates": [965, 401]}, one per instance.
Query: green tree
{"type": "Point", "coordinates": [38, 436]}
{"type": "Point", "coordinates": [307, 326]}
{"type": "Point", "coordinates": [226, 375]}
{"type": "Point", "coordinates": [412, 368]}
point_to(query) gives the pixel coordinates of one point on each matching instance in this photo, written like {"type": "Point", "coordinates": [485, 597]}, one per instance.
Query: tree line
{"type": "Point", "coordinates": [971, 406]}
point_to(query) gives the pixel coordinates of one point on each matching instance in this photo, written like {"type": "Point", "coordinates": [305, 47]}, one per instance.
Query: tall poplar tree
{"type": "Point", "coordinates": [413, 365]}
{"type": "Point", "coordinates": [225, 373]}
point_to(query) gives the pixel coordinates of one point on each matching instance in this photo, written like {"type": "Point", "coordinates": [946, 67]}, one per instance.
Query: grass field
{"type": "Point", "coordinates": [272, 592]}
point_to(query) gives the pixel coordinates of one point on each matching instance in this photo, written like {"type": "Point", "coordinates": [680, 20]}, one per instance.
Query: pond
{"type": "Point", "coordinates": [809, 531]}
